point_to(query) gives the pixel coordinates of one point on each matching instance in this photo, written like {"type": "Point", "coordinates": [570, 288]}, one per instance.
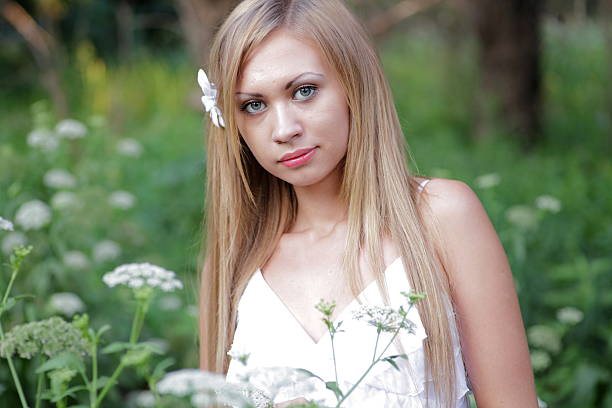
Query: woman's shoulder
{"type": "Point", "coordinates": [448, 198]}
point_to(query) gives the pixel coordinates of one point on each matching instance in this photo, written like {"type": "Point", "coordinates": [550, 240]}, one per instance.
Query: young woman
{"type": "Point", "coordinates": [309, 197]}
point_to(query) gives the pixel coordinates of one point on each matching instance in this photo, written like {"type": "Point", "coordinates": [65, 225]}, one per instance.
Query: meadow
{"type": "Point", "coordinates": [124, 182]}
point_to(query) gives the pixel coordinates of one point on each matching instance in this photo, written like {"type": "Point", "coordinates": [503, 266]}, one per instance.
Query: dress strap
{"type": "Point", "coordinates": [423, 183]}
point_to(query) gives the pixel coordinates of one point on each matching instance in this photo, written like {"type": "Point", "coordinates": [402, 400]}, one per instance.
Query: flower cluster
{"type": "Point", "coordinates": [129, 147]}
{"type": "Point", "coordinates": [204, 388]}
{"type": "Point", "coordinates": [6, 225]}
{"type": "Point", "coordinates": [50, 337]}
{"type": "Point", "coordinates": [106, 250]}
{"type": "Point", "coordinates": [487, 180]}
{"type": "Point", "coordinates": [136, 275]}
{"type": "Point", "coordinates": [70, 129]}
{"type": "Point", "coordinates": [384, 318]}
{"type": "Point", "coordinates": [570, 315]}
{"type": "Point", "coordinates": [33, 215]}
{"type": "Point", "coordinates": [327, 308]}
{"type": "Point", "coordinates": [66, 303]}
{"type": "Point", "coordinates": [59, 178]}
{"type": "Point", "coordinates": [548, 203]}
{"type": "Point", "coordinates": [121, 199]}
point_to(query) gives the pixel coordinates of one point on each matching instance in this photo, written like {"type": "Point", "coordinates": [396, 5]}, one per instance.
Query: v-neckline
{"type": "Point", "coordinates": [345, 310]}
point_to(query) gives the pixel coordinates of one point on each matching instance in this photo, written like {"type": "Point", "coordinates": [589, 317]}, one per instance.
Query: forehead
{"type": "Point", "coordinates": [281, 56]}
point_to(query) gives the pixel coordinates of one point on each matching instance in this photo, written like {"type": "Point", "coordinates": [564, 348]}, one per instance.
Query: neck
{"type": "Point", "coordinates": [320, 207]}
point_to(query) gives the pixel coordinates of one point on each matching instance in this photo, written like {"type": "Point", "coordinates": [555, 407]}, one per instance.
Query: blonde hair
{"type": "Point", "coordinates": [248, 210]}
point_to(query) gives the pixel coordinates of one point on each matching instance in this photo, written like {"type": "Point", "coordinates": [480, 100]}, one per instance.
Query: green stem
{"type": "Point", "coordinates": [24, 402]}
{"type": "Point", "coordinates": [39, 388]}
{"type": "Point", "coordinates": [335, 368]}
{"type": "Point", "coordinates": [8, 288]}
{"type": "Point", "coordinates": [376, 361]}
{"type": "Point", "coordinates": [109, 384]}
{"type": "Point", "coordinates": [135, 333]}
{"type": "Point", "coordinates": [376, 344]}
{"type": "Point", "coordinates": [22, 398]}
{"type": "Point", "coordinates": [93, 389]}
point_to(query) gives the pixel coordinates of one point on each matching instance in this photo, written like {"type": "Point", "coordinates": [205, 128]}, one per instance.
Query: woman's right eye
{"type": "Point", "coordinates": [253, 107]}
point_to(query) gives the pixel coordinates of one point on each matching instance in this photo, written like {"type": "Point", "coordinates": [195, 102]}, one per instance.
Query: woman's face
{"type": "Point", "coordinates": [289, 102]}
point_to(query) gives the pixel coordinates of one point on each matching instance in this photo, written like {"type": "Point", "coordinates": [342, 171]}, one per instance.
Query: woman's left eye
{"type": "Point", "coordinates": [305, 92]}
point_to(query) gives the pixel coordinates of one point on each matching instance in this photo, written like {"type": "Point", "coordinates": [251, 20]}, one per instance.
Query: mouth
{"type": "Point", "coordinates": [296, 154]}
{"type": "Point", "coordinates": [297, 157]}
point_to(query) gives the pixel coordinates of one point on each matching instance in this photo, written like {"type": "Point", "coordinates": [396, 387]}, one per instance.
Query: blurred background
{"type": "Point", "coordinates": [102, 158]}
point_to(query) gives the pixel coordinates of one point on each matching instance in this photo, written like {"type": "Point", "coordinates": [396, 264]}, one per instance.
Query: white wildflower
{"type": "Point", "coordinates": [63, 200]}
{"type": "Point", "coordinates": [383, 318]}
{"type": "Point", "coordinates": [192, 310]}
{"type": "Point", "coordinates": [544, 337]}
{"type": "Point", "coordinates": [141, 399]}
{"type": "Point", "coordinates": [121, 199]}
{"type": "Point", "coordinates": [548, 203]}
{"type": "Point", "coordinates": [136, 275]}
{"type": "Point", "coordinates": [271, 380]}
{"type": "Point", "coordinates": [42, 139]}
{"type": "Point", "coordinates": [13, 239]}
{"type": "Point", "coordinates": [70, 129]}
{"type": "Point", "coordinates": [106, 250]}
{"type": "Point", "coordinates": [33, 215]}
{"type": "Point", "coordinates": [522, 216]}
{"type": "Point", "coordinates": [129, 147]}
{"type": "Point", "coordinates": [66, 303]}
{"type": "Point", "coordinates": [239, 354]}
{"type": "Point", "coordinates": [540, 360]}
{"type": "Point", "coordinates": [58, 178]}
{"type": "Point", "coordinates": [487, 180]}
{"type": "Point", "coordinates": [569, 315]}
{"type": "Point", "coordinates": [6, 225]}
{"type": "Point", "coordinates": [75, 260]}
{"type": "Point", "coordinates": [542, 404]}
{"type": "Point", "coordinates": [170, 302]}
{"type": "Point", "coordinates": [204, 388]}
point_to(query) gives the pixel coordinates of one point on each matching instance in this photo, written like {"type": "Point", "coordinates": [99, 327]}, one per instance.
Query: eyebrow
{"type": "Point", "coordinates": [287, 86]}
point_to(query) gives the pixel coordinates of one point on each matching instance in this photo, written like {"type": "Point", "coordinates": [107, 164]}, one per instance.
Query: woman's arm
{"type": "Point", "coordinates": [491, 328]}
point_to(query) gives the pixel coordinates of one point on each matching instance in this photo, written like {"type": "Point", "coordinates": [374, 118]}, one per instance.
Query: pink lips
{"type": "Point", "coordinates": [298, 157]}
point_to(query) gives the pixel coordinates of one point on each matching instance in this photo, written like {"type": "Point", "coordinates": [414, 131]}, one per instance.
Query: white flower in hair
{"type": "Point", "coordinates": [209, 100]}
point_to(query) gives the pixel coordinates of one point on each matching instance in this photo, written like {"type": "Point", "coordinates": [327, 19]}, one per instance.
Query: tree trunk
{"type": "Point", "coordinates": [509, 39]}
{"type": "Point", "coordinates": [199, 20]}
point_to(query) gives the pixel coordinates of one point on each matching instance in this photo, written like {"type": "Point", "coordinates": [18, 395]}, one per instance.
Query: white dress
{"type": "Point", "coordinates": [274, 338]}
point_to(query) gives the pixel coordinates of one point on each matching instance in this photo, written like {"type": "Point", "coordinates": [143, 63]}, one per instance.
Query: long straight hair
{"type": "Point", "coordinates": [248, 209]}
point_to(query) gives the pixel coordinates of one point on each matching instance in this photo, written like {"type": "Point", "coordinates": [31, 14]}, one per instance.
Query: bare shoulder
{"type": "Point", "coordinates": [492, 335]}
{"type": "Point", "coordinates": [450, 198]}
{"type": "Point", "coordinates": [464, 226]}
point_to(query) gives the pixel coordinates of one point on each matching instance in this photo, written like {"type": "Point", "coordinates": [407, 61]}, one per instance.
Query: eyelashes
{"type": "Point", "coordinates": [247, 106]}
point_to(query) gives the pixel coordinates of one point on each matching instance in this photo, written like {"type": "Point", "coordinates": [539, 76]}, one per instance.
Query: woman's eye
{"type": "Point", "coordinates": [253, 106]}
{"type": "Point", "coordinates": [305, 92]}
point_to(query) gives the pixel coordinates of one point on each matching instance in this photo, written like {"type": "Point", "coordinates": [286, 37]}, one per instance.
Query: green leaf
{"type": "Point", "coordinates": [102, 381]}
{"type": "Point", "coordinates": [135, 356]}
{"type": "Point", "coordinates": [160, 368]}
{"type": "Point", "coordinates": [333, 386]}
{"type": "Point", "coordinates": [152, 347]}
{"type": "Point", "coordinates": [68, 393]}
{"type": "Point", "coordinates": [103, 330]}
{"type": "Point", "coordinates": [308, 373]}
{"type": "Point", "coordinates": [12, 301]}
{"type": "Point", "coordinates": [66, 359]}
{"type": "Point", "coordinates": [116, 347]}
{"type": "Point", "coordinates": [390, 361]}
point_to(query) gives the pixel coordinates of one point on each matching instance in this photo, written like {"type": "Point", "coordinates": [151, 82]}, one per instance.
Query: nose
{"type": "Point", "coordinates": [286, 124]}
